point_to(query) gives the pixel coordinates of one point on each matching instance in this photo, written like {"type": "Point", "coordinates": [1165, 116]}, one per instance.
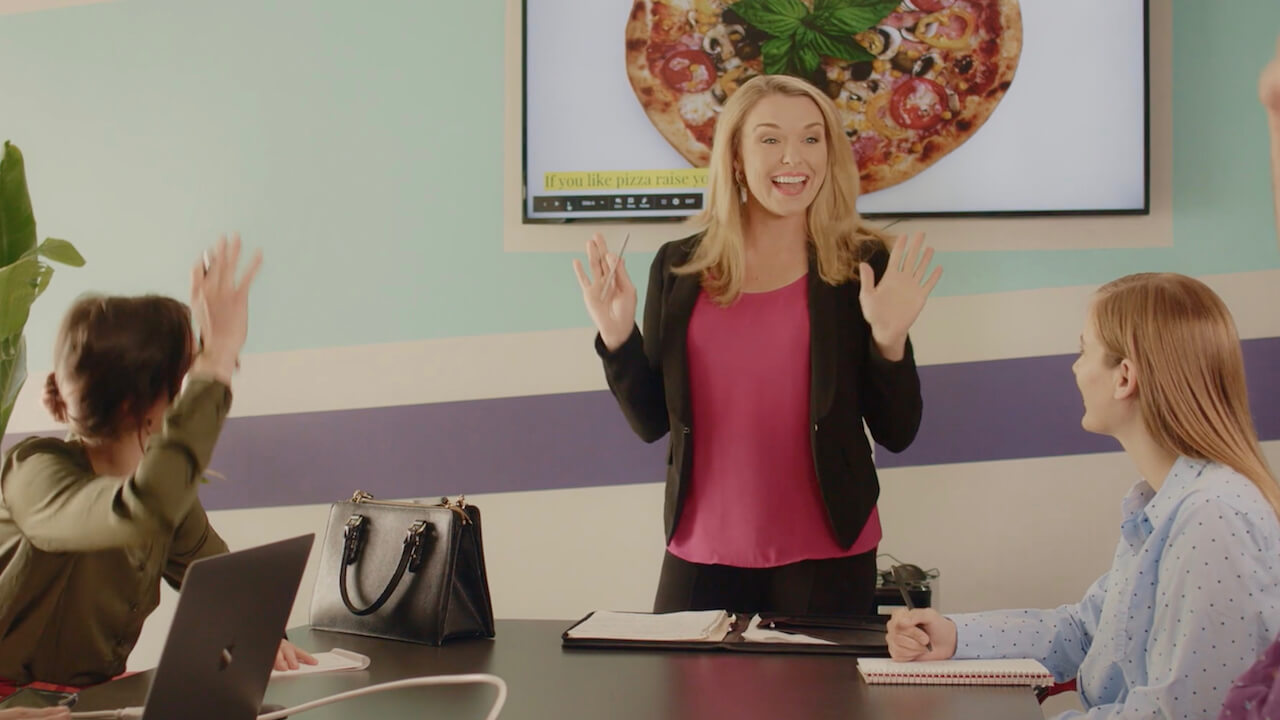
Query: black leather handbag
{"type": "Point", "coordinates": [403, 571]}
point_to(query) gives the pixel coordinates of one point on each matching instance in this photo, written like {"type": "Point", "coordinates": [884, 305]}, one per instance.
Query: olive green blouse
{"type": "Point", "coordinates": [82, 555]}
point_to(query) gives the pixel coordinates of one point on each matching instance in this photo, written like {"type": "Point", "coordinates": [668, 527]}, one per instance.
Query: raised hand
{"type": "Point", "coordinates": [892, 305]}
{"type": "Point", "coordinates": [220, 306]}
{"type": "Point", "coordinates": [611, 302]}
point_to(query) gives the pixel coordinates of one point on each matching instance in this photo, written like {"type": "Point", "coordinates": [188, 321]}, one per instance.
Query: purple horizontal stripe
{"type": "Point", "coordinates": [990, 410]}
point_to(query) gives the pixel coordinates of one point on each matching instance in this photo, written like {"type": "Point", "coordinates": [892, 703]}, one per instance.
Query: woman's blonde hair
{"type": "Point", "coordinates": [1191, 387]}
{"type": "Point", "coordinates": [838, 235]}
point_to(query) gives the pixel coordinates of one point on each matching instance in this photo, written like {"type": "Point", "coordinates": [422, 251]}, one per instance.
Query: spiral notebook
{"type": "Point", "coordinates": [1019, 671]}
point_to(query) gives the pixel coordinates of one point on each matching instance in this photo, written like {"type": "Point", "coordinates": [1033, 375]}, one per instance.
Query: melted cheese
{"type": "Point", "coordinates": [697, 108]}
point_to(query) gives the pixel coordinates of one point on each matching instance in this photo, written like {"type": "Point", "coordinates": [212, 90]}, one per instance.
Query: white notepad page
{"type": "Point", "coordinates": [1012, 671]}
{"type": "Point", "coordinates": [336, 660]}
{"type": "Point", "coordinates": [690, 626]}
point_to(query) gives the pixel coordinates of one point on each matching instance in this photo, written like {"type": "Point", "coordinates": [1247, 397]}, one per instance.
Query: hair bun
{"type": "Point", "coordinates": [53, 401]}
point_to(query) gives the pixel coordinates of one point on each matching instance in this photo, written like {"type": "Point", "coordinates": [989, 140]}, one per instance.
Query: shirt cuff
{"type": "Point", "coordinates": [196, 418]}
{"type": "Point", "coordinates": [633, 339]}
{"type": "Point", "coordinates": [879, 362]}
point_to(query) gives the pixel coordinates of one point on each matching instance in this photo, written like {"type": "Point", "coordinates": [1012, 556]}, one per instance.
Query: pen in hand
{"type": "Point", "coordinates": [608, 281]}
{"type": "Point", "coordinates": [906, 597]}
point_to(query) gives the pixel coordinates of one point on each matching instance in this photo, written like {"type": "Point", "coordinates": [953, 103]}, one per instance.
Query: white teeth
{"type": "Point", "coordinates": [789, 179]}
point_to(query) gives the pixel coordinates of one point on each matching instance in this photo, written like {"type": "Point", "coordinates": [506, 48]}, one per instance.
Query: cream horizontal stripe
{"type": "Point", "coordinates": [952, 329]}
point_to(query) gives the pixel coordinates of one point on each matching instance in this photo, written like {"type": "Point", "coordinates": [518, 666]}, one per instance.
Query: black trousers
{"type": "Point", "coordinates": [837, 586]}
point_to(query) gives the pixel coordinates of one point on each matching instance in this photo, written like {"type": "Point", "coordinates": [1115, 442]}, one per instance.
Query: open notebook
{"type": "Point", "coordinates": [717, 629]}
{"type": "Point", "coordinates": [1020, 671]}
{"type": "Point", "coordinates": [694, 626]}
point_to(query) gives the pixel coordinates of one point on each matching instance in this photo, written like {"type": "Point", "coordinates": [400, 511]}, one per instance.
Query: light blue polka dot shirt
{"type": "Point", "coordinates": [1191, 601]}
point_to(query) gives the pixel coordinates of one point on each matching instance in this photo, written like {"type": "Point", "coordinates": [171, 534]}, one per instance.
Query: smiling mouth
{"type": "Point", "coordinates": [790, 184]}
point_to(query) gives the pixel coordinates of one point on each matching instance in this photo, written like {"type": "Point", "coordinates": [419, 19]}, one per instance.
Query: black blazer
{"type": "Point", "coordinates": [850, 381]}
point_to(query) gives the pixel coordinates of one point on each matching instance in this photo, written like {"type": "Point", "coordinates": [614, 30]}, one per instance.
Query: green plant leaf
{"type": "Point", "coordinates": [13, 373]}
{"type": "Point", "coordinates": [17, 222]}
{"type": "Point", "coordinates": [19, 286]}
{"type": "Point", "coordinates": [43, 275]}
{"type": "Point", "coordinates": [777, 54]}
{"type": "Point", "coordinates": [840, 48]}
{"type": "Point", "coordinates": [23, 275]}
{"type": "Point", "coordinates": [59, 251]}
{"type": "Point", "coordinates": [849, 17]}
{"type": "Point", "coordinates": [776, 17]}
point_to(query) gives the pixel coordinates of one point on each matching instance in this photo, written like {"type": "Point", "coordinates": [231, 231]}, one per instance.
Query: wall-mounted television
{"type": "Point", "coordinates": [952, 107]}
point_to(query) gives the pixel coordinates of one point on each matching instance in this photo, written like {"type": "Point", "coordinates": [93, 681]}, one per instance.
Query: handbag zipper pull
{"type": "Point", "coordinates": [463, 517]}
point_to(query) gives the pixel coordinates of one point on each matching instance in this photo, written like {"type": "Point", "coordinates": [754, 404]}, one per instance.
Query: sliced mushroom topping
{"type": "Point", "coordinates": [882, 41]}
{"type": "Point", "coordinates": [719, 41]}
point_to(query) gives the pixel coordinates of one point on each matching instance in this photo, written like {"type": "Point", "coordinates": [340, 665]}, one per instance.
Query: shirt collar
{"type": "Point", "coordinates": [1180, 480]}
{"type": "Point", "coordinates": [1144, 508]}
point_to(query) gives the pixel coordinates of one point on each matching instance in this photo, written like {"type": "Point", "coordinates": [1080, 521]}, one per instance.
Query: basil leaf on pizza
{"type": "Point", "coordinates": [776, 17]}
{"type": "Point", "coordinates": [777, 54]}
{"type": "Point", "coordinates": [840, 48]}
{"type": "Point", "coordinates": [849, 17]}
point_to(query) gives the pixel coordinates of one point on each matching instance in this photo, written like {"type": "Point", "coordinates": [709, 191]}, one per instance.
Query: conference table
{"type": "Point", "coordinates": [547, 682]}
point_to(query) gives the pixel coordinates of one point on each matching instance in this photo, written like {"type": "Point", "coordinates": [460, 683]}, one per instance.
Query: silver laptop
{"type": "Point", "coordinates": [222, 644]}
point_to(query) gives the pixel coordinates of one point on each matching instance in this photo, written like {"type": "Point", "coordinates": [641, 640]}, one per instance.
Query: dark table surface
{"type": "Point", "coordinates": [547, 681]}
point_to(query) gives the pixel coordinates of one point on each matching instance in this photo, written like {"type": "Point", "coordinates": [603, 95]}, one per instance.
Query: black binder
{"type": "Point", "coordinates": [862, 636]}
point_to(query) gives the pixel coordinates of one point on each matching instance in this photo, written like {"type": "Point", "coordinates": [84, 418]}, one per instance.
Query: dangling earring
{"type": "Point", "coordinates": [742, 189]}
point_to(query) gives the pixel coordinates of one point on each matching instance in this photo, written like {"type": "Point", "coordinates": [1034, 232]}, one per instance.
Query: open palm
{"type": "Point", "coordinates": [610, 301]}
{"type": "Point", "coordinates": [892, 305]}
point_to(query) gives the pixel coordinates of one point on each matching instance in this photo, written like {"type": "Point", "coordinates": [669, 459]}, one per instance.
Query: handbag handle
{"type": "Point", "coordinates": [411, 559]}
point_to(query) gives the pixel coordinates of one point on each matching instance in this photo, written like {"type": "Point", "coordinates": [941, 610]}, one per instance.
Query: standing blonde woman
{"type": "Point", "coordinates": [1193, 594]}
{"type": "Point", "coordinates": [770, 336]}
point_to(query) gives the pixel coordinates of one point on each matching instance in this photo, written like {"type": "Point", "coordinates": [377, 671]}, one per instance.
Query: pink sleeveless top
{"type": "Point", "coordinates": [753, 499]}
